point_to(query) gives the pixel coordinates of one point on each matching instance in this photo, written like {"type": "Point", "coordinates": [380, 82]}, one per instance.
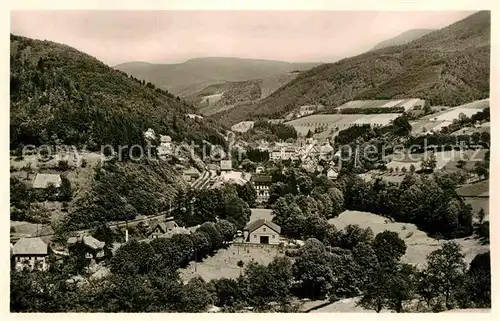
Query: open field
{"type": "Point", "coordinates": [339, 122]}
{"type": "Point", "coordinates": [435, 122]}
{"type": "Point", "coordinates": [211, 99]}
{"type": "Point", "coordinates": [346, 305]}
{"type": "Point", "coordinates": [447, 159]}
{"type": "Point", "coordinates": [426, 126]}
{"type": "Point", "coordinates": [419, 245]}
{"type": "Point", "coordinates": [258, 213]}
{"type": "Point", "coordinates": [350, 305]}
{"type": "Point", "coordinates": [24, 228]}
{"type": "Point", "coordinates": [481, 128]}
{"type": "Point", "coordinates": [243, 126]}
{"type": "Point", "coordinates": [478, 189]}
{"type": "Point", "coordinates": [479, 203]}
{"type": "Point", "coordinates": [35, 163]}
{"type": "Point", "coordinates": [380, 103]}
{"type": "Point", "coordinates": [224, 262]}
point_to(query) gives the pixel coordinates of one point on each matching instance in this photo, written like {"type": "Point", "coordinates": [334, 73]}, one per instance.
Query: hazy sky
{"type": "Point", "coordinates": [175, 36]}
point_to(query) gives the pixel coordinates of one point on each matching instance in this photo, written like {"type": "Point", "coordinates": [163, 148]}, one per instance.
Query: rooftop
{"type": "Point", "coordinates": [252, 226]}
{"type": "Point", "coordinates": [261, 178]}
{"type": "Point", "coordinates": [44, 180]}
{"type": "Point", "coordinates": [27, 246]}
{"type": "Point", "coordinates": [165, 138]}
{"type": "Point", "coordinates": [88, 240]}
{"type": "Point", "coordinates": [191, 171]}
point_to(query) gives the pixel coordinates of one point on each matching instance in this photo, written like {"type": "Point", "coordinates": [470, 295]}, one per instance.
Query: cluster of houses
{"type": "Point", "coordinates": [301, 150]}
{"type": "Point", "coordinates": [32, 253]}
{"type": "Point", "coordinates": [308, 151]}
{"type": "Point", "coordinates": [165, 147]}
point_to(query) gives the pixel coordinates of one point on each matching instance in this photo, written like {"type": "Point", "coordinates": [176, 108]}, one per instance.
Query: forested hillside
{"type": "Point", "coordinates": [61, 95]}
{"type": "Point", "coordinates": [189, 77]}
{"type": "Point", "coordinates": [403, 38]}
{"type": "Point", "coordinates": [238, 92]}
{"type": "Point", "coordinates": [449, 66]}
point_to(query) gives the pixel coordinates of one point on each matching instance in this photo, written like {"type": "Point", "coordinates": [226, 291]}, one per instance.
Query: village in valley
{"type": "Point", "coordinates": [374, 204]}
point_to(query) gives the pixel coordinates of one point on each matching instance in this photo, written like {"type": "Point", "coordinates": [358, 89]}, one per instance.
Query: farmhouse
{"type": "Point", "coordinates": [45, 180]}
{"type": "Point", "coordinates": [30, 253]}
{"type": "Point", "coordinates": [262, 232]}
{"type": "Point", "coordinates": [90, 246]}
{"type": "Point", "coordinates": [261, 184]}
{"type": "Point", "coordinates": [304, 111]}
{"type": "Point", "coordinates": [326, 151]}
{"type": "Point", "coordinates": [162, 228]}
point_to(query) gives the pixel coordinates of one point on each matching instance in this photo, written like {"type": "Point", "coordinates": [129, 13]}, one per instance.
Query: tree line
{"type": "Point", "coordinates": [144, 278]}
{"type": "Point", "coordinates": [428, 201]}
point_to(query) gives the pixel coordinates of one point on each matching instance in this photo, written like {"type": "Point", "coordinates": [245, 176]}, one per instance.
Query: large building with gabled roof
{"type": "Point", "coordinates": [262, 231]}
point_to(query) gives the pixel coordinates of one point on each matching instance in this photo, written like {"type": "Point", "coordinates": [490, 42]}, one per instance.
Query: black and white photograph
{"type": "Point", "coordinates": [249, 161]}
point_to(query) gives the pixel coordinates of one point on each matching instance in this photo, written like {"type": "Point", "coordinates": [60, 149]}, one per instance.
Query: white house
{"type": "Point", "coordinates": [262, 232]}
{"type": "Point", "coordinates": [149, 134]}
{"type": "Point", "coordinates": [332, 173]}
{"type": "Point", "coordinates": [261, 184]}
{"type": "Point", "coordinates": [226, 165]}
{"type": "Point", "coordinates": [30, 253]}
{"type": "Point", "coordinates": [194, 116]}
{"type": "Point", "coordinates": [165, 145]}
{"type": "Point", "coordinates": [44, 180]}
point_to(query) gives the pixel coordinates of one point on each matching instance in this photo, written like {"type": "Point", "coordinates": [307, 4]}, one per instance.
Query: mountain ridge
{"type": "Point", "coordinates": [193, 75]}
{"type": "Point", "coordinates": [449, 66]}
